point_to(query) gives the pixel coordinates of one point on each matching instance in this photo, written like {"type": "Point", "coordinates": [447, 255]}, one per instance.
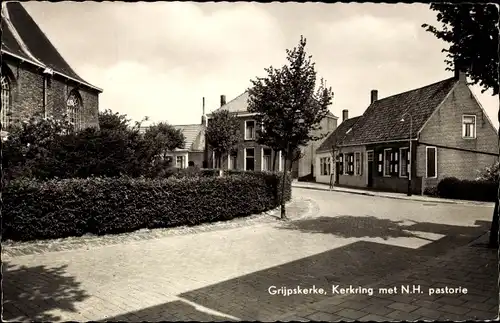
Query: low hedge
{"type": "Point", "coordinates": [73, 207]}
{"type": "Point", "coordinates": [477, 190]}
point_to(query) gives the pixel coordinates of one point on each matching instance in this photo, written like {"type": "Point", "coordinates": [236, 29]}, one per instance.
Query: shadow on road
{"type": "Point", "coordinates": [29, 293]}
{"type": "Point", "coordinates": [351, 227]}
{"type": "Point", "coordinates": [361, 263]}
{"type": "Point", "coordinates": [172, 311]}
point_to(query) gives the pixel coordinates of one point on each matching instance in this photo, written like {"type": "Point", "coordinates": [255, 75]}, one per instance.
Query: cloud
{"type": "Point", "coordinates": [159, 59]}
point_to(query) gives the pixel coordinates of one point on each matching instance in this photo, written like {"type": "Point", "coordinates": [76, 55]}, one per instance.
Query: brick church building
{"type": "Point", "coordinates": [36, 80]}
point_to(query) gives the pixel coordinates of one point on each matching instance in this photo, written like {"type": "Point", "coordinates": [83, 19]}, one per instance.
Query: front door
{"type": "Point", "coordinates": [337, 172]}
{"type": "Point", "coordinates": [369, 158]}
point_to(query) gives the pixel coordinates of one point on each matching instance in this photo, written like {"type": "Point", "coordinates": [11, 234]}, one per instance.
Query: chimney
{"type": "Point", "coordinates": [203, 116]}
{"type": "Point", "coordinates": [345, 115]}
{"type": "Point", "coordinates": [459, 74]}
{"type": "Point", "coordinates": [222, 100]}
{"type": "Point", "coordinates": [373, 96]}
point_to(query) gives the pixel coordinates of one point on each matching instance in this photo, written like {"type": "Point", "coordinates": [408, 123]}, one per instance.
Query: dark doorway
{"type": "Point", "coordinates": [337, 172]}
{"type": "Point", "coordinates": [369, 158]}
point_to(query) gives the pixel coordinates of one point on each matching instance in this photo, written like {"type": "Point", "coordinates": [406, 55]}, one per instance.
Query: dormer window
{"type": "Point", "coordinates": [469, 126]}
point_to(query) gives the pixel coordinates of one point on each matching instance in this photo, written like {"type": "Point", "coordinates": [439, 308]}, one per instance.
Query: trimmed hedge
{"type": "Point", "coordinates": [73, 207]}
{"type": "Point", "coordinates": [478, 190]}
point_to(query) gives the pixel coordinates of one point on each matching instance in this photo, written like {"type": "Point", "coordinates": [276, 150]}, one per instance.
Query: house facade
{"type": "Point", "coordinates": [327, 154]}
{"type": "Point", "coordinates": [249, 155]}
{"type": "Point", "coordinates": [35, 78]}
{"type": "Point", "coordinates": [449, 132]}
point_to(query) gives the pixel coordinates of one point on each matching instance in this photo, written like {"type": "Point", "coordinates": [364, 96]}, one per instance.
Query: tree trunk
{"type": "Point", "coordinates": [283, 211]}
{"type": "Point", "coordinates": [493, 243]}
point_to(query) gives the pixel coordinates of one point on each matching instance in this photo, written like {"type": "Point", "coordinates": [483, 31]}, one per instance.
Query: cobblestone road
{"type": "Point", "coordinates": [224, 272]}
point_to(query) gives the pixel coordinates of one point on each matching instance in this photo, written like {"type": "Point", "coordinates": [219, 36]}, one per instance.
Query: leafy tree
{"type": "Point", "coordinates": [222, 133]}
{"type": "Point", "coordinates": [113, 121]}
{"type": "Point", "coordinates": [162, 138]}
{"type": "Point", "coordinates": [289, 106]}
{"type": "Point", "coordinates": [471, 31]}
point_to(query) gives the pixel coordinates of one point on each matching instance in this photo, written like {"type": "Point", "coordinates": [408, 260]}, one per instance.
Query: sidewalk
{"type": "Point", "coordinates": [473, 267]}
{"type": "Point", "coordinates": [400, 196]}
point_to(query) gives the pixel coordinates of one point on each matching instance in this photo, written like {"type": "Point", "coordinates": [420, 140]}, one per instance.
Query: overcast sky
{"type": "Point", "coordinates": [159, 59]}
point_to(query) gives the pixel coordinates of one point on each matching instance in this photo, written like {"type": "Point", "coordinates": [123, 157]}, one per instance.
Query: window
{"type": "Point", "coordinates": [469, 126]}
{"type": "Point", "coordinates": [387, 162]}
{"type": "Point", "coordinates": [380, 163]}
{"type": "Point", "coordinates": [280, 161]}
{"type": "Point", "coordinates": [431, 162]}
{"type": "Point", "coordinates": [249, 159]}
{"type": "Point", "coordinates": [233, 159]}
{"type": "Point", "coordinates": [179, 162]}
{"type": "Point", "coordinates": [341, 164]}
{"type": "Point", "coordinates": [358, 162]}
{"type": "Point", "coordinates": [74, 109]}
{"type": "Point", "coordinates": [325, 166]}
{"type": "Point", "coordinates": [404, 158]}
{"type": "Point", "coordinates": [350, 164]}
{"type": "Point", "coordinates": [266, 159]}
{"type": "Point", "coordinates": [250, 130]}
{"type": "Point", "coordinates": [4, 119]}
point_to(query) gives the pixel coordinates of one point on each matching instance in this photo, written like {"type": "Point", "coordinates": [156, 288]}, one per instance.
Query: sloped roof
{"type": "Point", "coordinates": [24, 38]}
{"type": "Point", "coordinates": [240, 105]}
{"type": "Point", "coordinates": [337, 135]}
{"type": "Point", "coordinates": [381, 122]}
{"type": "Point", "coordinates": [194, 135]}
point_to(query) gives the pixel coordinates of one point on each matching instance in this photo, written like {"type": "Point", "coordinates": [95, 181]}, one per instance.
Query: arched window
{"type": "Point", "coordinates": [5, 113]}
{"type": "Point", "coordinates": [75, 109]}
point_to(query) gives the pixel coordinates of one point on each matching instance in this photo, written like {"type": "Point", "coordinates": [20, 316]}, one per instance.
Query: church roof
{"type": "Point", "coordinates": [23, 38]}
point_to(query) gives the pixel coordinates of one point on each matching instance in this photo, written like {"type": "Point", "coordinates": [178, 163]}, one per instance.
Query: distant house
{"type": "Point", "coordinates": [35, 78]}
{"type": "Point", "coordinates": [327, 153]}
{"type": "Point", "coordinates": [451, 136]}
{"type": "Point", "coordinates": [194, 145]}
{"type": "Point", "coordinates": [249, 155]}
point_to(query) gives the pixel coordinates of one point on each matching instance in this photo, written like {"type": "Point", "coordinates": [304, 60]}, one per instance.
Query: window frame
{"type": "Point", "coordinates": [384, 164]}
{"type": "Point", "coordinates": [427, 162]}
{"type": "Point", "coordinates": [474, 124]}
{"type": "Point", "coordinates": [341, 163]}
{"type": "Point", "coordinates": [350, 164]}
{"type": "Point", "coordinates": [358, 163]}
{"type": "Point", "coordinates": [230, 164]}
{"type": "Point", "coordinates": [408, 164]}
{"type": "Point", "coordinates": [182, 161]}
{"type": "Point", "coordinates": [7, 99]}
{"type": "Point", "coordinates": [246, 157]}
{"type": "Point", "coordinates": [262, 159]}
{"type": "Point", "coordinates": [253, 132]}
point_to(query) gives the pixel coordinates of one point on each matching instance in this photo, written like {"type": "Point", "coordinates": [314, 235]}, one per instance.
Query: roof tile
{"type": "Point", "coordinates": [381, 122]}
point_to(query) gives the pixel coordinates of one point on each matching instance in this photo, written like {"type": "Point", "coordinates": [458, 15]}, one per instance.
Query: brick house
{"type": "Point", "coordinates": [451, 136]}
{"type": "Point", "coordinates": [35, 78]}
{"type": "Point", "coordinates": [325, 170]}
{"type": "Point", "coordinates": [249, 155]}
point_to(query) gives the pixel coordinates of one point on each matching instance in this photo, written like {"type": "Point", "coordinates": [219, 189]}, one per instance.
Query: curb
{"type": "Point", "coordinates": [469, 203]}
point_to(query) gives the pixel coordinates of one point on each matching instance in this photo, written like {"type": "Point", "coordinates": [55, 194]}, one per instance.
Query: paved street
{"type": "Point", "coordinates": [225, 273]}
